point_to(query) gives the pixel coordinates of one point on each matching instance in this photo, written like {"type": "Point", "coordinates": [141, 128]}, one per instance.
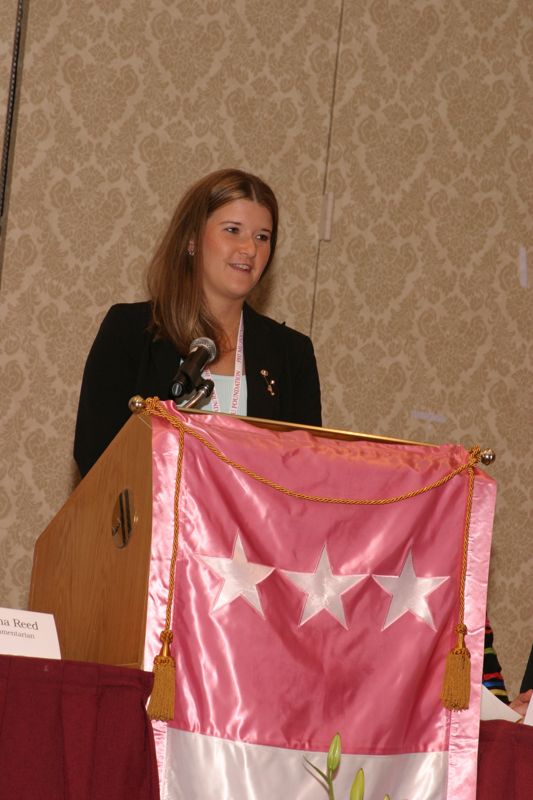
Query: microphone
{"type": "Point", "coordinates": [201, 352]}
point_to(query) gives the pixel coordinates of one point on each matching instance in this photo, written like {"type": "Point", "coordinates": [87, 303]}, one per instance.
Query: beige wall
{"type": "Point", "coordinates": [422, 131]}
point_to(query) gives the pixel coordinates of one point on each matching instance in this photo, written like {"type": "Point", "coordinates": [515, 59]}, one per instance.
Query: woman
{"type": "Point", "coordinates": [220, 242]}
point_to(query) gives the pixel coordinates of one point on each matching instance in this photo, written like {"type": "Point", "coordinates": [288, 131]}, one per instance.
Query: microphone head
{"type": "Point", "coordinates": [207, 344]}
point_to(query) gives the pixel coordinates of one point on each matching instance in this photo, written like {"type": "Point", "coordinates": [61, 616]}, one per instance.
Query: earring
{"type": "Point", "coordinates": [191, 250]}
{"type": "Point", "coordinates": [269, 383]}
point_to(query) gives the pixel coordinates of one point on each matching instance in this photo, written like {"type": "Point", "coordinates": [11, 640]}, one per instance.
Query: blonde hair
{"type": "Point", "coordinates": [179, 311]}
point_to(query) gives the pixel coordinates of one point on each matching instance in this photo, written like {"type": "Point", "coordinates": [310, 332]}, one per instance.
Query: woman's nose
{"type": "Point", "coordinates": [248, 245]}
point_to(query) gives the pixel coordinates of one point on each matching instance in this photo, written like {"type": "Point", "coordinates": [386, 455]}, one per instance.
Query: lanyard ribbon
{"type": "Point", "coordinates": [237, 376]}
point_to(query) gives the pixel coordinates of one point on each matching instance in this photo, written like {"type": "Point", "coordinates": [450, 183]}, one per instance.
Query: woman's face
{"type": "Point", "coordinates": [235, 250]}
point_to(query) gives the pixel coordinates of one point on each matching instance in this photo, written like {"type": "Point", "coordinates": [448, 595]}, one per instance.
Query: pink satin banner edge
{"type": "Point", "coordinates": [163, 481]}
{"type": "Point", "coordinates": [464, 725]}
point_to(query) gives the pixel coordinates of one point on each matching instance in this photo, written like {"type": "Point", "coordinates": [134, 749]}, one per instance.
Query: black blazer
{"type": "Point", "coordinates": [125, 360]}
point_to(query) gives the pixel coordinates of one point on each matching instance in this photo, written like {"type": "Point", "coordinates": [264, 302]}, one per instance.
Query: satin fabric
{"type": "Point", "coordinates": [233, 770]}
{"type": "Point", "coordinates": [264, 677]}
{"type": "Point", "coordinates": [464, 726]}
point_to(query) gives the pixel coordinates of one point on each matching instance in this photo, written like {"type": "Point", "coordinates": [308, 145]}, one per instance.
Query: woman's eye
{"type": "Point", "coordinates": [263, 237]}
{"type": "Point", "coordinates": [232, 229]}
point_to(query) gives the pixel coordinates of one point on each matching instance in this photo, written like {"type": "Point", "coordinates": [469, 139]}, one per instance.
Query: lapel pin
{"type": "Point", "coordinates": [269, 383]}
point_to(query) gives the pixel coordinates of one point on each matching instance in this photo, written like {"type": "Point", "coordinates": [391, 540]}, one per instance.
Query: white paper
{"type": "Point", "coordinates": [28, 633]}
{"type": "Point", "coordinates": [493, 708]}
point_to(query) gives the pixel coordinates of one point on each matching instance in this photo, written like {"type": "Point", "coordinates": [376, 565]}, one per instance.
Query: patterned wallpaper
{"type": "Point", "coordinates": [418, 306]}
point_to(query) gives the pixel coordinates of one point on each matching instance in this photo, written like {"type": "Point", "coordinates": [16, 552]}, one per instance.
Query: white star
{"type": "Point", "coordinates": [240, 577]}
{"type": "Point", "coordinates": [323, 589]}
{"type": "Point", "coordinates": [408, 593]}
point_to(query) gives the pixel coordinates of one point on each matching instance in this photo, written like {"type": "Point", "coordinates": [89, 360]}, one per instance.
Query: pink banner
{"type": "Point", "coordinates": [295, 619]}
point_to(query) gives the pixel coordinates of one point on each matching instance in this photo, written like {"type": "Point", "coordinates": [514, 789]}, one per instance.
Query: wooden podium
{"type": "Point", "coordinates": [83, 572]}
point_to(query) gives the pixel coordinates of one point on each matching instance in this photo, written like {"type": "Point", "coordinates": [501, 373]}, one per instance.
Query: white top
{"type": "Point", "coordinates": [224, 389]}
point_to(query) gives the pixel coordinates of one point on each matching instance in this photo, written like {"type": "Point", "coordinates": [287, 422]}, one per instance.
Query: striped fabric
{"type": "Point", "coordinates": [492, 674]}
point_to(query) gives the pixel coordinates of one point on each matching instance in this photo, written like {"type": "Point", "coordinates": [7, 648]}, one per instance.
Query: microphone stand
{"type": "Point", "coordinates": [204, 389]}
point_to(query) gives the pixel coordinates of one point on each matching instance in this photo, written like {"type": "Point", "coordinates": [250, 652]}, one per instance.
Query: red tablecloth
{"type": "Point", "coordinates": [505, 764]}
{"type": "Point", "coordinates": [75, 731]}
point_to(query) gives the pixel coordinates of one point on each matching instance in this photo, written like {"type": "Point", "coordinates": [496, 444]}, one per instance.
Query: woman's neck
{"type": "Point", "coordinates": [228, 316]}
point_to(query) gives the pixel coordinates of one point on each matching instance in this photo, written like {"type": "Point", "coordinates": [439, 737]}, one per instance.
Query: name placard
{"type": "Point", "coordinates": [28, 633]}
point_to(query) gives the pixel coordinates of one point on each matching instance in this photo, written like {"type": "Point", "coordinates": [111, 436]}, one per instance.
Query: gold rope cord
{"type": "Point", "coordinates": [155, 407]}
{"type": "Point", "coordinates": [161, 704]}
{"type": "Point", "coordinates": [455, 693]}
{"type": "Point", "coordinates": [456, 690]}
{"type": "Point", "coordinates": [471, 479]}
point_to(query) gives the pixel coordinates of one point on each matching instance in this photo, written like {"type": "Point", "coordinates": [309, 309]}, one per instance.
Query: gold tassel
{"type": "Point", "coordinates": [455, 693]}
{"type": "Point", "coordinates": [161, 704]}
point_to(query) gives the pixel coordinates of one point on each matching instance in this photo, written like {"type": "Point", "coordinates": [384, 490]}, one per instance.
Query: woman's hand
{"type": "Point", "coordinates": [521, 703]}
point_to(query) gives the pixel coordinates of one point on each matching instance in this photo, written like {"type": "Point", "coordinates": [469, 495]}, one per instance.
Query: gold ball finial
{"type": "Point", "coordinates": [136, 404]}
{"type": "Point", "coordinates": [487, 457]}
